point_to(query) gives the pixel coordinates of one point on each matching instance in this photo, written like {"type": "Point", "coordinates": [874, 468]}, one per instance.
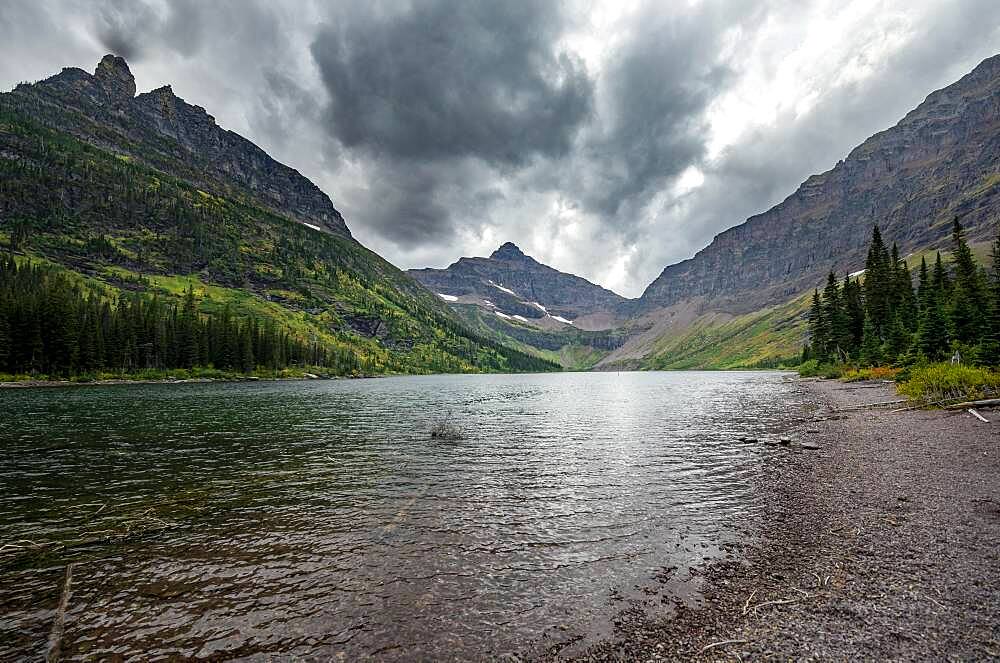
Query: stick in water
{"type": "Point", "coordinates": [55, 637]}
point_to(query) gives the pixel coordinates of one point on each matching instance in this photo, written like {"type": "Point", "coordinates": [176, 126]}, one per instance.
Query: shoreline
{"type": "Point", "coordinates": [883, 543]}
{"type": "Point", "coordinates": [51, 384]}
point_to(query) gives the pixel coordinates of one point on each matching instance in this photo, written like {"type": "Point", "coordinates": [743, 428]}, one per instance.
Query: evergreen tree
{"type": "Point", "coordinates": [878, 284]}
{"type": "Point", "coordinates": [967, 300]}
{"type": "Point", "coordinates": [990, 349]}
{"type": "Point", "coordinates": [932, 332]}
{"type": "Point", "coordinates": [837, 322]}
{"type": "Point", "coordinates": [924, 285]}
{"type": "Point", "coordinates": [188, 344]}
{"type": "Point", "coordinates": [897, 340]}
{"type": "Point", "coordinates": [940, 282]}
{"type": "Point", "coordinates": [247, 363]}
{"type": "Point", "coordinates": [871, 352]}
{"type": "Point", "coordinates": [906, 300]}
{"type": "Point", "coordinates": [818, 329]}
{"type": "Point", "coordinates": [855, 309]}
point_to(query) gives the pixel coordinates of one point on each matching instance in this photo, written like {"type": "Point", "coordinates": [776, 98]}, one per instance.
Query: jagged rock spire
{"type": "Point", "coordinates": [115, 78]}
{"type": "Point", "coordinates": [508, 251]}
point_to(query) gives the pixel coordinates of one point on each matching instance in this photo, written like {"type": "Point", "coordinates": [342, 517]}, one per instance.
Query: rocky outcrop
{"type": "Point", "coordinates": [942, 160]}
{"type": "Point", "coordinates": [516, 282]}
{"type": "Point", "coordinates": [162, 130]}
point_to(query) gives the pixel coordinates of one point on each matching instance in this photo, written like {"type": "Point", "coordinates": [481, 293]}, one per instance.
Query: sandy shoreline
{"type": "Point", "coordinates": [882, 544]}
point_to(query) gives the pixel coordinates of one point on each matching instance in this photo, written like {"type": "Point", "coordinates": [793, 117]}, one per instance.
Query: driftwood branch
{"type": "Point", "coordinates": [967, 404]}
{"type": "Point", "coordinates": [55, 636]}
{"type": "Point", "coordinates": [868, 405]}
{"type": "Point", "coordinates": [978, 416]}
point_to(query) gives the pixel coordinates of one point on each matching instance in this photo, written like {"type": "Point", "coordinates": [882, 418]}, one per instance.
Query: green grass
{"type": "Point", "coordinates": [746, 341]}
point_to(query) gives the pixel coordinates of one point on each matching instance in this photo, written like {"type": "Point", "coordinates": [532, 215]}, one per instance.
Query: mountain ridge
{"type": "Point", "coordinates": [945, 147]}
{"type": "Point", "coordinates": [512, 283]}
{"type": "Point", "coordinates": [108, 99]}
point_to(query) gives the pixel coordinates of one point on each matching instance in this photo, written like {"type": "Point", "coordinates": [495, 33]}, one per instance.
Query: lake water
{"type": "Point", "coordinates": [320, 519]}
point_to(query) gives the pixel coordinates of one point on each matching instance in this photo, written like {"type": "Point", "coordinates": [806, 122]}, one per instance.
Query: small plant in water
{"type": "Point", "coordinates": [444, 429]}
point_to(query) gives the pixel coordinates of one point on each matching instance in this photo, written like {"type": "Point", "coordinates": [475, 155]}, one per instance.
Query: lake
{"type": "Point", "coordinates": [320, 519]}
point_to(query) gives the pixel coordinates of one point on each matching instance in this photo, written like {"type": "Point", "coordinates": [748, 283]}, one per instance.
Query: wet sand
{"type": "Point", "coordinates": [884, 543]}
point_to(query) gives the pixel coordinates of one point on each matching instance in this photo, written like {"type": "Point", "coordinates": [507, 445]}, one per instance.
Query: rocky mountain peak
{"type": "Point", "coordinates": [115, 78]}
{"type": "Point", "coordinates": [508, 251]}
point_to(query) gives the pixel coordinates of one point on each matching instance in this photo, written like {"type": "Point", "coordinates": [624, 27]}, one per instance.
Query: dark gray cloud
{"type": "Point", "coordinates": [443, 79]}
{"type": "Point", "coordinates": [422, 87]}
{"type": "Point", "coordinates": [442, 128]}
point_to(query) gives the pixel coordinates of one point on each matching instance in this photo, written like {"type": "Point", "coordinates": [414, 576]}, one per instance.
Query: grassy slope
{"type": "Point", "coordinates": [744, 341]}
{"type": "Point", "coordinates": [569, 349]}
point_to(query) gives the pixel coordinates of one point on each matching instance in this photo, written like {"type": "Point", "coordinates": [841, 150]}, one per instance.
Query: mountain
{"type": "Point", "coordinates": [742, 300]}
{"type": "Point", "coordinates": [147, 197]}
{"type": "Point", "coordinates": [517, 301]}
{"type": "Point", "coordinates": [513, 284]}
{"type": "Point", "coordinates": [940, 161]}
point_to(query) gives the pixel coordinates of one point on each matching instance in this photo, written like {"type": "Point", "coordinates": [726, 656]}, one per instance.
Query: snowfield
{"type": "Point", "coordinates": [447, 298]}
{"type": "Point", "coordinates": [311, 226]}
{"type": "Point", "coordinates": [500, 287]}
{"type": "Point", "coordinates": [562, 320]}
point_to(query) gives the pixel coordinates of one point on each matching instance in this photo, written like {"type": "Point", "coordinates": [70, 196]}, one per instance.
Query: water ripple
{"type": "Point", "coordinates": [318, 519]}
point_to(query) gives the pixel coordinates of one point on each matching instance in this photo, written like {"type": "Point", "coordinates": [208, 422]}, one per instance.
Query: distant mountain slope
{"type": "Point", "coordinates": [147, 195]}
{"type": "Point", "coordinates": [942, 160]}
{"type": "Point", "coordinates": [514, 284]}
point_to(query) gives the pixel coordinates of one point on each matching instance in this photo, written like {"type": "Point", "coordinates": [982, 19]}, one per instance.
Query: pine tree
{"type": "Point", "coordinates": [924, 285]}
{"type": "Point", "coordinates": [940, 282]}
{"type": "Point", "coordinates": [854, 307]}
{"type": "Point", "coordinates": [247, 363]}
{"type": "Point", "coordinates": [877, 289]}
{"type": "Point", "coordinates": [871, 352]}
{"type": "Point", "coordinates": [932, 333]}
{"type": "Point", "coordinates": [990, 348]}
{"type": "Point", "coordinates": [818, 329]}
{"type": "Point", "coordinates": [188, 342]}
{"type": "Point", "coordinates": [906, 300]}
{"type": "Point", "coordinates": [968, 301]}
{"type": "Point", "coordinates": [897, 340]}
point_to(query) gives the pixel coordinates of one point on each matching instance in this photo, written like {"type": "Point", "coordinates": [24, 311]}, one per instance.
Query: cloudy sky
{"type": "Point", "coordinates": [605, 137]}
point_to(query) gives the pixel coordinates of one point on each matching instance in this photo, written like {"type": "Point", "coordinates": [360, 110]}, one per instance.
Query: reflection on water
{"type": "Point", "coordinates": [319, 518]}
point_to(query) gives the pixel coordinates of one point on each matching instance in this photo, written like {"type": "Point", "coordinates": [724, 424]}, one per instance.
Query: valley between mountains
{"type": "Point", "coordinates": [144, 198]}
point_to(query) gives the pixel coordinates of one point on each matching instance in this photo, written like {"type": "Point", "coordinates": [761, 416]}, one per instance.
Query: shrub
{"type": "Point", "coordinates": [812, 369]}
{"type": "Point", "coordinates": [945, 382]}
{"type": "Point", "coordinates": [873, 373]}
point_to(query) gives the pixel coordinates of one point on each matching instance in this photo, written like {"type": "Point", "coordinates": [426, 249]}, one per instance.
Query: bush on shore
{"type": "Point", "coordinates": [814, 369]}
{"type": "Point", "coordinates": [871, 373]}
{"type": "Point", "coordinates": [937, 383]}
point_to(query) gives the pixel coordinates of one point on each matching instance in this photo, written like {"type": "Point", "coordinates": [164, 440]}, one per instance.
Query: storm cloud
{"type": "Point", "coordinates": [608, 139]}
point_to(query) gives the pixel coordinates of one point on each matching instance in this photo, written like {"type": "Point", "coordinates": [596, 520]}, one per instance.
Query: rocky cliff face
{"type": "Point", "coordinates": [942, 160]}
{"type": "Point", "coordinates": [516, 284]}
{"type": "Point", "coordinates": [169, 134]}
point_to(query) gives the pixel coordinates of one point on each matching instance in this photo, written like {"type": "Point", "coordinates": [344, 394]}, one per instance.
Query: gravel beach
{"type": "Point", "coordinates": [883, 543]}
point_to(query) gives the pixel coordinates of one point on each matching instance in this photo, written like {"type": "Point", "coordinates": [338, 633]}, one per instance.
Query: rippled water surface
{"type": "Point", "coordinates": [317, 519]}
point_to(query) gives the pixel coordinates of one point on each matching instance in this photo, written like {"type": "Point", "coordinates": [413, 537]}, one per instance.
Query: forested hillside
{"type": "Point", "coordinates": [134, 256]}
